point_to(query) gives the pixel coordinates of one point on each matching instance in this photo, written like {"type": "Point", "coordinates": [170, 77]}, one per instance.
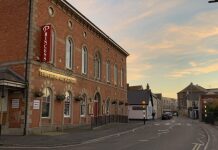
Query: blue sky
{"type": "Point", "coordinates": [171, 42]}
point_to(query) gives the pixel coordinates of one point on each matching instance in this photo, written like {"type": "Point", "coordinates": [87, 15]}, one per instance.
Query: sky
{"type": "Point", "coordinates": [171, 42]}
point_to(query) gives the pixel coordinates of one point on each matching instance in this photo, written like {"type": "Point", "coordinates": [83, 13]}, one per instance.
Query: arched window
{"type": "Point", "coordinates": [84, 60]}
{"type": "Point", "coordinates": [121, 77]}
{"type": "Point", "coordinates": [69, 53]}
{"type": "Point", "coordinates": [108, 107]}
{"type": "Point", "coordinates": [115, 74]}
{"type": "Point", "coordinates": [108, 71]}
{"type": "Point", "coordinates": [97, 66]}
{"type": "Point", "coordinates": [52, 50]}
{"type": "Point", "coordinates": [83, 105]}
{"type": "Point", "coordinates": [46, 102]}
{"type": "Point", "coordinates": [67, 104]}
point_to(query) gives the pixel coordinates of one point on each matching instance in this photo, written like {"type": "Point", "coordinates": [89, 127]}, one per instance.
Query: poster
{"type": "Point", "coordinates": [15, 103]}
{"type": "Point", "coordinates": [36, 104]}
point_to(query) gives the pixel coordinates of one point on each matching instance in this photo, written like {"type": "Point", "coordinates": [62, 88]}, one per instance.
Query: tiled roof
{"type": "Point", "coordinates": [137, 96]}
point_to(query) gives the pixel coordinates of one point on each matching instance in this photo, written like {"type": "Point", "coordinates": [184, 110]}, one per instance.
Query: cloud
{"type": "Point", "coordinates": [134, 73]}
{"type": "Point", "coordinates": [195, 70]}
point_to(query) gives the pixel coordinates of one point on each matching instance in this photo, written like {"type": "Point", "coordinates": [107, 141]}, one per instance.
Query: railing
{"type": "Point", "coordinates": [102, 120]}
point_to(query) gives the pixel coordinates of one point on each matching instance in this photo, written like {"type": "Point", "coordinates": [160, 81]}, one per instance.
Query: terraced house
{"type": "Point", "coordinates": [57, 69]}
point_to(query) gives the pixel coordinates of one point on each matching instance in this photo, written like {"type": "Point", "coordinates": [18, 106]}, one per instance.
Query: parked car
{"type": "Point", "coordinates": [167, 115]}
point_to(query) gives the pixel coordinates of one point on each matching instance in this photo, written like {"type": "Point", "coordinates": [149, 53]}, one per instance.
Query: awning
{"type": "Point", "coordinates": [11, 78]}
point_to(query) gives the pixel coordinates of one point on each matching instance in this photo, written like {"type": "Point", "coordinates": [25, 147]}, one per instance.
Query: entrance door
{"type": "Point", "coordinates": [14, 117]}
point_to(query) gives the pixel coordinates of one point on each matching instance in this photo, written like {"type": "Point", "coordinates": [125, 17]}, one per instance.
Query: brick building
{"type": "Point", "coordinates": [57, 69]}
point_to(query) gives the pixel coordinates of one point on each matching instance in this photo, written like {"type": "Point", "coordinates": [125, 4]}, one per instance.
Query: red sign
{"type": "Point", "coordinates": [45, 43]}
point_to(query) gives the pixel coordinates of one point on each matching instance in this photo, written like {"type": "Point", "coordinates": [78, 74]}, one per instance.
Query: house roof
{"type": "Point", "coordinates": [10, 78]}
{"type": "Point", "coordinates": [193, 88]}
{"type": "Point", "coordinates": [135, 97]}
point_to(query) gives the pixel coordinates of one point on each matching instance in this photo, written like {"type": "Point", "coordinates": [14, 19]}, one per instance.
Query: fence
{"type": "Point", "coordinates": [101, 120]}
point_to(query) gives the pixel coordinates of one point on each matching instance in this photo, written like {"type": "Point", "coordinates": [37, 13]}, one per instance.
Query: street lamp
{"type": "Point", "coordinates": [144, 109]}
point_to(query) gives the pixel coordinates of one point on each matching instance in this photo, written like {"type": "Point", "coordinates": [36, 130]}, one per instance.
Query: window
{"type": "Point", "coordinates": [67, 104]}
{"type": "Point", "coordinates": [84, 60]}
{"type": "Point", "coordinates": [46, 102]}
{"type": "Point", "coordinates": [115, 74]}
{"type": "Point", "coordinates": [97, 66]}
{"type": "Point", "coordinates": [121, 77]}
{"type": "Point", "coordinates": [52, 50]}
{"type": "Point", "coordinates": [108, 71]}
{"type": "Point", "coordinates": [83, 106]}
{"type": "Point", "coordinates": [69, 53]}
{"type": "Point", "coordinates": [108, 107]}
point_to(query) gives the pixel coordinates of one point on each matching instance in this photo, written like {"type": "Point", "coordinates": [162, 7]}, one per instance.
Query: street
{"type": "Point", "coordinates": [175, 134]}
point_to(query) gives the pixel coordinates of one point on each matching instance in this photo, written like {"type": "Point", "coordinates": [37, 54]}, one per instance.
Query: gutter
{"type": "Point", "coordinates": [26, 72]}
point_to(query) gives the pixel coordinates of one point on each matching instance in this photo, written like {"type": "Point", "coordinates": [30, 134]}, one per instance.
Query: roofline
{"type": "Point", "coordinates": [94, 26]}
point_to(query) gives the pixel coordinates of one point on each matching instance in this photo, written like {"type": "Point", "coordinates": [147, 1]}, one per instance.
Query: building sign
{"type": "Point", "coordinates": [15, 103]}
{"type": "Point", "coordinates": [45, 43]}
{"type": "Point", "coordinates": [36, 104]}
{"type": "Point", "coordinates": [57, 76]}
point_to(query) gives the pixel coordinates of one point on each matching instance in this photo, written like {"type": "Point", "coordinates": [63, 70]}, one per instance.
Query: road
{"type": "Point", "coordinates": [175, 134]}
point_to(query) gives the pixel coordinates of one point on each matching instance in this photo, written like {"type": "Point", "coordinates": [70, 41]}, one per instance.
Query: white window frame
{"type": "Point", "coordinates": [115, 74]}
{"type": "Point", "coordinates": [67, 101]}
{"type": "Point", "coordinates": [84, 60]}
{"type": "Point", "coordinates": [108, 71]}
{"type": "Point", "coordinates": [46, 100]}
{"type": "Point", "coordinates": [69, 53]}
{"type": "Point", "coordinates": [121, 77]}
{"type": "Point", "coordinates": [83, 103]}
{"type": "Point", "coordinates": [97, 66]}
{"type": "Point", "coordinates": [52, 49]}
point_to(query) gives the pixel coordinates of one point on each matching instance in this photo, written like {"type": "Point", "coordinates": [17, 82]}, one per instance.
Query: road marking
{"type": "Point", "coordinates": [188, 124]}
{"type": "Point", "coordinates": [208, 139]}
{"type": "Point", "coordinates": [196, 146]}
{"type": "Point", "coordinates": [156, 124]}
{"type": "Point", "coordinates": [173, 121]}
{"type": "Point", "coordinates": [143, 140]}
{"type": "Point", "coordinates": [167, 123]}
{"type": "Point", "coordinates": [163, 130]}
{"type": "Point", "coordinates": [178, 124]}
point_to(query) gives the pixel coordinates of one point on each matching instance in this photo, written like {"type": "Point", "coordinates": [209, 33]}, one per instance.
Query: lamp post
{"type": "Point", "coordinates": [144, 109]}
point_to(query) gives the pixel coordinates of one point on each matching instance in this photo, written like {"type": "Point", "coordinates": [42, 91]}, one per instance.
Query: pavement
{"type": "Point", "coordinates": [72, 136]}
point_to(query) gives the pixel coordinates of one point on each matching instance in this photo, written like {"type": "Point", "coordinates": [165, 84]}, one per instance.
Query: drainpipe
{"type": "Point", "coordinates": [26, 71]}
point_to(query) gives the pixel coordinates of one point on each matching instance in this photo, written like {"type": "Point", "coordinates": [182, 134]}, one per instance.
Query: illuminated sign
{"type": "Point", "coordinates": [57, 76]}
{"type": "Point", "coordinates": [45, 43]}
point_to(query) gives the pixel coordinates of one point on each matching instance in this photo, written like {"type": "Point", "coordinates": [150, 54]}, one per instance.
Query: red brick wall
{"type": "Point", "coordinates": [13, 30]}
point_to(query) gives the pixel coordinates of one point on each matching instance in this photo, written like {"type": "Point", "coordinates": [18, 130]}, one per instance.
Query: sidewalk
{"type": "Point", "coordinates": [68, 137]}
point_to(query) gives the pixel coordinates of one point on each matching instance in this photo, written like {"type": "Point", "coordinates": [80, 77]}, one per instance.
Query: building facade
{"type": "Point", "coordinates": [63, 69]}
{"type": "Point", "coordinates": [141, 103]}
{"type": "Point", "coordinates": [188, 100]}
